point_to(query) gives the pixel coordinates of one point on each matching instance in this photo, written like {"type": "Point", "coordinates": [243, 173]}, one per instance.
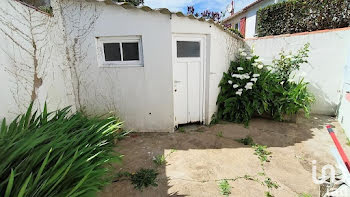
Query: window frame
{"type": "Point", "coordinates": [119, 39]}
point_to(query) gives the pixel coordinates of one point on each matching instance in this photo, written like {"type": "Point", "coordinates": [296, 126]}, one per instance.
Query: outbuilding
{"type": "Point", "coordinates": [154, 68]}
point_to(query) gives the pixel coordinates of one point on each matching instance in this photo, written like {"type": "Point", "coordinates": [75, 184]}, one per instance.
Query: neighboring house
{"type": "Point", "coordinates": [245, 20]}
{"type": "Point", "coordinates": [155, 68]}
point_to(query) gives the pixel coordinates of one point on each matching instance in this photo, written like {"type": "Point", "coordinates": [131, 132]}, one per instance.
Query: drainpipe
{"type": "Point", "coordinates": [339, 147]}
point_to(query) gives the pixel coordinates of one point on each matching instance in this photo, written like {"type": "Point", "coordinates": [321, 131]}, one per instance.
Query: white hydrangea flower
{"type": "Point", "coordinates": [249, 57]}
{"type": "Point", "coordinates": [244, 76]}
{"type": "Point", "coordinates": [243, 54]}
{"type": "Point", "coordinates": [239, 93]}
{"type": "Point", "coordinates": [254, 79]}
{"type": "Point", "coordinates": [235, 86]}
{"type": "Point", "coordinates": [260, 66]}
{"type": "Point", "coordinates": [269, 68]}
{"type": "Point", "coordinates": [230, 82]}
{"type": "Point", "coordinates": [239, 68]}
{"type": "Point", "coordinates": [289, 56]}
{"type": "Point", "coordinates": [240, 90]}
{"type": "Point", "coordinates": [256, 75]}
{"type": "Point", "coordinates": [241, 50]}
{"type": "Point", "coordinates": [255, 64]}
{"type": "Point", "coordinates": [258, 60]}
{"type": "Point", "coordinates": [249, 86]}
{"type": "Point", "coordinates": [282, 83]}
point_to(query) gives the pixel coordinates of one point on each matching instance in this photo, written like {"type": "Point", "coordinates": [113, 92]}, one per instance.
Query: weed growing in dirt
{"type": "Point", "coordinates": [219, 134]}
{"type": "Point", "coordinates": [347, 141]}
{"type": "Point", "coordinates": [181, 130]}
{"type": "Point", "coordinates": [214, 120]}
{"type": "Point", "coordinates": [141, 179]}
{"type": "Point", "coordinates": [271, 184]}
{"type": "Point", "coordinates": [225, 188]}
{"type": "Point", "coordinates": [268, 194]}
{"type": "Point", "coordinates": [246, 141]}
{"type": "Point", "coordinates": [123, 134]}
{"type": "Point", "coordinates": [144, 178]}
{"type": "Point", "coordinates": [263, 154]}
{"type": "Point", "coordinates": [159, 160]}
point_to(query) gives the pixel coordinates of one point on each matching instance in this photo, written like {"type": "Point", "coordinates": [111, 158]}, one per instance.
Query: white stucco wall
{"type": "Point", "coordinates": [329, 51]}
{"type": "Point", "coordinates": [17, 61]}
{"type": "Point", "coordinates": [141, 96]}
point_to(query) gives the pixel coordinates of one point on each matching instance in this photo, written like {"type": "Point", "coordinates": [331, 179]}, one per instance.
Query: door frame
{"type": "Point", "coordinates": [203, 53]}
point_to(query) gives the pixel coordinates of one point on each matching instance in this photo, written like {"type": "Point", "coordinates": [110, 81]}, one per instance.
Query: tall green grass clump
{"type": "Point", "coordinates": [56, 154]}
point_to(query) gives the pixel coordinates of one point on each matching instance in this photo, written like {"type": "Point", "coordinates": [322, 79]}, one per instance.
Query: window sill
{"type": "Point", "coordinates": [120, 65]}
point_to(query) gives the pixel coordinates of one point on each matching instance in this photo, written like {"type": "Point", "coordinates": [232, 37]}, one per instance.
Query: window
{"type": "Point", "coordinates": [119, 51]}
{"type": "Point", "coordinates": [188, 49]}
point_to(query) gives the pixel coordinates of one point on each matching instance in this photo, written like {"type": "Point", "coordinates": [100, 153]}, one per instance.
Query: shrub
{"type": "Point", "coordinates": [56, 154]}
{"type": "Point", "coordinates": [302, 16]}
{"type": "Point", "coordinates": [252, 88]}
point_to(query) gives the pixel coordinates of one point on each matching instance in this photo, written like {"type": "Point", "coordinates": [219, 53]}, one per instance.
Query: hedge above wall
{"type": "Point", "coordinates": [295, 16]}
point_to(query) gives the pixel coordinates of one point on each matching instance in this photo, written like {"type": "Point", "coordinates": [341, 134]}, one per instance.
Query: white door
{"type": "Point", "coordinates": [188, 71]}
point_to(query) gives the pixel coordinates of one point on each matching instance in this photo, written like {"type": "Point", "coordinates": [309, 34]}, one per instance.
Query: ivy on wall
{"type": "Point", "coordinates": [295, 16]}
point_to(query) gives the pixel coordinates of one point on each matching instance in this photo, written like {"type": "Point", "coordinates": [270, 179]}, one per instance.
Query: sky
{"type": "Point", "coordinates": [199, 5]}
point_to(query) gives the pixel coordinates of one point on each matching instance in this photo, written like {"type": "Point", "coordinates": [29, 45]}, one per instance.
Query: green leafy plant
{"type": "Point", "coordinates": [246, 141]}
{"type": "Point", "coordinates": [270, 184]}
{"type": "Point", "coordinates": [214, 120]}
{"type": "Point", "coordinates": [56, 154]}
{"type": "Point", "coordinates": [181, 130]}
{"type": "Point", "coordinates": [225, 188]}
{"type": "Point", "coordinates": [347, 141]}
{"type": "Point", "coordinates": [159, 160]}
{"type": "Point", "coordinates": [219, 134]}
{"type": "Point", "coordinates": [250, 88]}
{"type": "Point", "coordinates": [287, 63]}
{"type": "Point", "coordinates": [262, 153]}
{"type": "Point", "coordinates": [302, 16]}
{"type": "Point", "coordinates": [268, 194]}
{"type": "Point", "coordinates": [144, 178]}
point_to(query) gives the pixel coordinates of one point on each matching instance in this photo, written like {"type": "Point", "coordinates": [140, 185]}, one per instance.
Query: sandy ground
{"type": "Point", "coordinates": [202, 158]}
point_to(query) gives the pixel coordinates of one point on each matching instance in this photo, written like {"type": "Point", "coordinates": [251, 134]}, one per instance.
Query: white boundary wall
{"type": "Point", "coordinates": [20, 60]}
{"type": "Point", "coordinates": [329, 52]}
